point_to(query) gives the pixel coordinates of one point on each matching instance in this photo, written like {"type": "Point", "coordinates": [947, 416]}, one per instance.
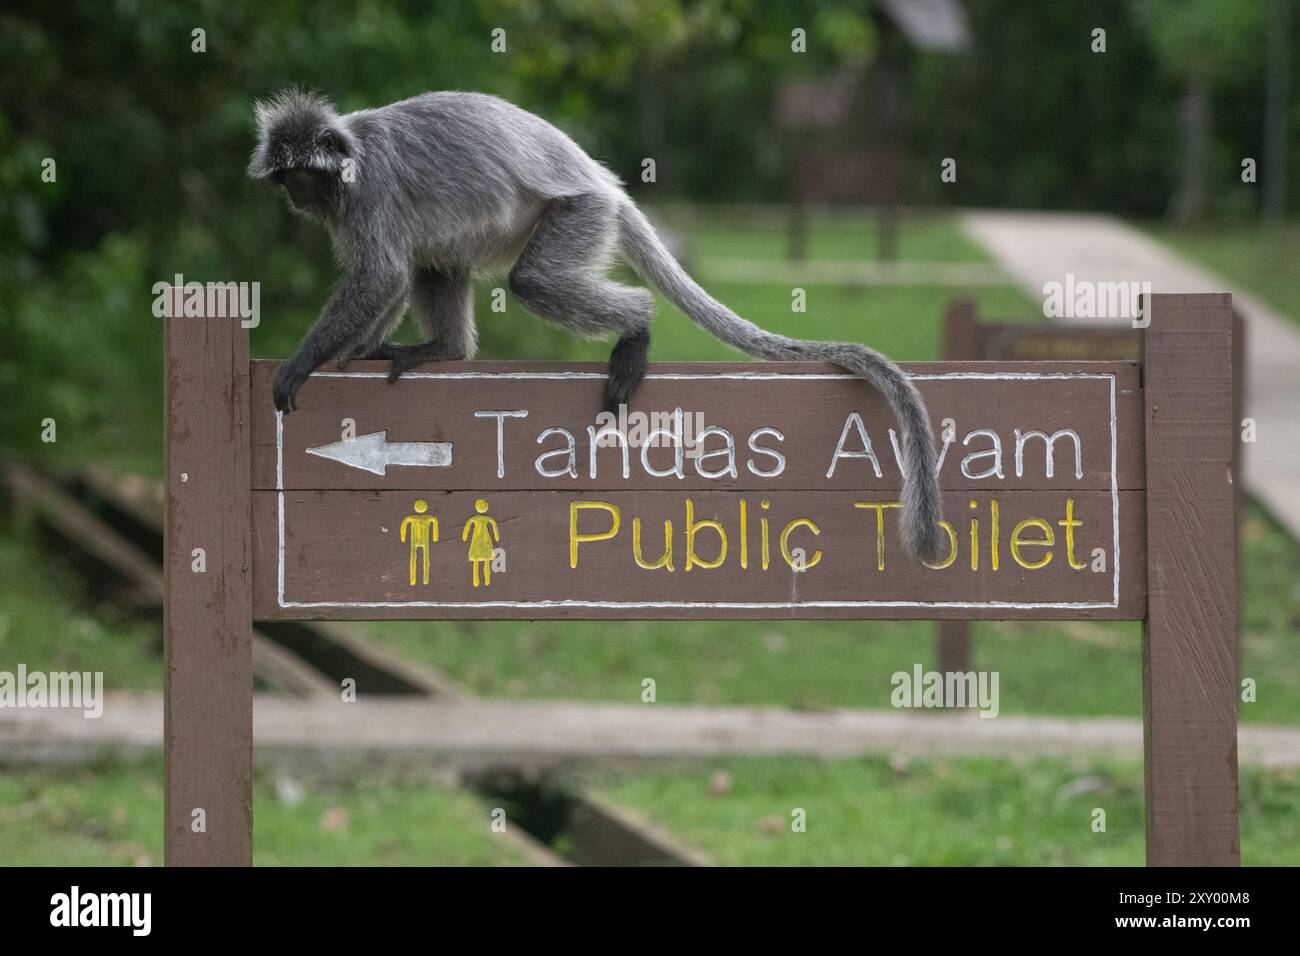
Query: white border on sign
{"type": "Point", "coordinates": [722, 605]}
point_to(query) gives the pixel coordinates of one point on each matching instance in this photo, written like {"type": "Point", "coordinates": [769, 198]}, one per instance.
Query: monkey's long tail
{"type": "Point", "coordinates": [922, 506]}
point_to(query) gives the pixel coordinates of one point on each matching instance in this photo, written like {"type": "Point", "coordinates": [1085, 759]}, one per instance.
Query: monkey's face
{"type": "Point", "coordinates": [309, 190]}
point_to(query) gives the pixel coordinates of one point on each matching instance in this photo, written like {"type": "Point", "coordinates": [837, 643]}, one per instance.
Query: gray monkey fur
{"type": "Point", "coordinates": [422, 196]}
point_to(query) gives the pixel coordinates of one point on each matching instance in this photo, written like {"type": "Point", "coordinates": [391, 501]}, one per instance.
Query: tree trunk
{"type": "Point", "coordinates": [1189, 202]}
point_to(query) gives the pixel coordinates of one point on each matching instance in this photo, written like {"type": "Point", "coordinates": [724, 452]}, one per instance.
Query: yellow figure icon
{"type": "Point", "coordinates": [485, 531]}
{"type": "Point", "coordinates": [424, 528]}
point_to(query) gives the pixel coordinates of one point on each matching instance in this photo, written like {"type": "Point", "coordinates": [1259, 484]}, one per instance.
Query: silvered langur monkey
{"type": "Point", "coordinates": [422, 196]}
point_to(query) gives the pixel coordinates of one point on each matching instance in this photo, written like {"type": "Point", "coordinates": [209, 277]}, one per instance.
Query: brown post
{"type": "Point", "coordinates": [960, 341]}
{"type": "Point", "coordinates": [1239, 490]}
{"type": "Point", "coordinates": [796, 235]}
{"type": "Point", "coordinates": [888, 214]}
{"type": "Point", "coordinates": [207, 611]}
{"type": "Point", "coordinates": [1189, 648]}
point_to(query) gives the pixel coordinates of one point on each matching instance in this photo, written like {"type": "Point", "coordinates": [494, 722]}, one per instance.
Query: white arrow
{"type": "Point", "coordinates": [374, 452]}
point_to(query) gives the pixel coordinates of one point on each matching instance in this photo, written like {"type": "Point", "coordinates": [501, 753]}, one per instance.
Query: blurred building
{"type": "Point", "coordinates": [848, 127]}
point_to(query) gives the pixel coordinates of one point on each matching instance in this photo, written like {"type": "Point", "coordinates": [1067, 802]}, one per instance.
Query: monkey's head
{"type": "Point", "coordinates": [303, 146]}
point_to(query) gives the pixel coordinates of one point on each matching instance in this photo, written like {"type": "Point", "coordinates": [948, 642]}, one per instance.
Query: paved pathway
{"type": "Point", "coordinates": [469, 733]}
{"type": "Point", "coordinates": [1038, 247]}
{"type": "Point", "coordinates": [855, 273]}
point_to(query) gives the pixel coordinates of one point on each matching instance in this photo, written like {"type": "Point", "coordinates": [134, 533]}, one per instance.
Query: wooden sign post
{"type": "Point", "coordinates": [965, 336]}
{"type": "Point", "coordinates": [729, 491]}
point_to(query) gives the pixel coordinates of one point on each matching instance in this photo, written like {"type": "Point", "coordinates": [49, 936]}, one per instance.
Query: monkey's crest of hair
{"type": "Point", "coordinates": [299, 129]}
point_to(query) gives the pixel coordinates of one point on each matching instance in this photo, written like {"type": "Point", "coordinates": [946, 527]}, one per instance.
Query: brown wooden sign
{"type": "Point", "coordinates": [746, 491]}
{"type": "Point", "coordinates": [1073, 489]}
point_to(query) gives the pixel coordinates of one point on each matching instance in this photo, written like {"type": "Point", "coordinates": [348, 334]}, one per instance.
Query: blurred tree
{"type": "Point", "coordinates": [1200, 43]}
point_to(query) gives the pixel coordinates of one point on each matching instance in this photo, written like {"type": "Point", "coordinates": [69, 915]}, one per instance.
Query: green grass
{"type": "Point", "coordinates": [47, 623]}
{"type": "Point", "coordinates": [1260, 258]}
{"type": "Point", "coordinates": [838, 238]}
{"type": "Point", "coordinates": [960, 812]}
{"type": "Point", "coordinates": [111, 814]}
{"type": "Point", "coordinates": [904, 322]}
{"type": "Point", "coordinates": [862, 811]}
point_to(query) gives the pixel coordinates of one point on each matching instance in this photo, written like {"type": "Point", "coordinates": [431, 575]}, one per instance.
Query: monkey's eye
{"type": "Point", "coordinates": [328, 139]}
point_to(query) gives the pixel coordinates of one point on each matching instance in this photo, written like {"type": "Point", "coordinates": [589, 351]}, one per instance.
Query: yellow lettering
{"type": "Point", "coordinates": [952, 547]}
{"type": "Point", "coordinates": [879, 508]}
{"type": "Point", "coordinates": [1069, 524]}
{"type": "Point", "coordinates": [666, 561]}
{"type": "Point", "coordinates": [575, 539]}
{"type": "Point", "coordinates": [993, 538]}
{"type": "Point", "coordinates": [744, 538]}
{"type": "Point", "coordinates": [785, 536]}
{"type": "Point", "coordinates": [692, 526]}
{"type": "Point", "coordinates": [974, 541]}
{"type": "Point", "coordinates": [1017, 542]}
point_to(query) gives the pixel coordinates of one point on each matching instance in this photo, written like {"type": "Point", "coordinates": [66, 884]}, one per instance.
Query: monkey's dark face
{"type": "Point", "coordinates": [309, 190]}
{"type": "Point", "coordinates": [303, 146]}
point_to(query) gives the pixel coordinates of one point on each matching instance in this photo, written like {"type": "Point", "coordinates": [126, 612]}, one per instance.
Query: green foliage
{"type": "Point", "coordinates": [1206, 36]}
{"type": "Point", "coordinates": [873, 811]}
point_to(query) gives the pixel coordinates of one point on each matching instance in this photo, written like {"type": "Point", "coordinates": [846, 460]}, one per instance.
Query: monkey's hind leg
{"type": "Point", "coordinates": [561, 276]}
{"type": "Point", "coordinates": [627, 367]}
{"type": "Point", "coordinates": [443, 305]}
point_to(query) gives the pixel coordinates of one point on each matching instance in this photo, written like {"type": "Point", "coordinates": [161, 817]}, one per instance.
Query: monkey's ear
{"type": "Point", "coordinates": [329, 138]}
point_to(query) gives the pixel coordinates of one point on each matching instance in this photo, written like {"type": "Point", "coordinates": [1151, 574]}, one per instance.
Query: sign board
{"type": "Point", "coordinates": [1073, 490]}
{"type": "Point", "coordinates": [728, 491]}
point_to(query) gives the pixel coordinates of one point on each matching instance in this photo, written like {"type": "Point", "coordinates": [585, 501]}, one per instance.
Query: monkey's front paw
{"type": "Point", "coordinates": [285, 390]}
{"type": "Point", "coordinates": [404, 359]}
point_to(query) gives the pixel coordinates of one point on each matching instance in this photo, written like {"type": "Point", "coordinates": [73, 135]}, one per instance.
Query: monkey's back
{"type": "Point", "coordinates": [475, 170]}
{"type": "Point", "coordinates": [472, 135]}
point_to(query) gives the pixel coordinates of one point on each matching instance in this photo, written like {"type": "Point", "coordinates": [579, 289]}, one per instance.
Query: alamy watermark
{"type": "Point", "coordinates": [68, 690]}
{"type": "Point", "coordinates": [950, 689]}
{"type": "Point", "coordinates": [209, 300]}
{"type": "Point", "coordinates": [1085, 299]}
{"type": "Point", "coordinates": [133, 911]}
{"type": "Point", "coordinates": [675, 429]}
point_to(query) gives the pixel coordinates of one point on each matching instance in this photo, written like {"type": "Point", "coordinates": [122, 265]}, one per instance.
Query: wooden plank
{"type": "Point", "coordinates": [343, 557]}
{"type": "Point", "coordinates": [208, 715]}
{"type": "Point", "coordinates": [1189, 645]}
{"type": "Point", "coordinates": [602, 833]}
{"type": "Point", "coordinates": [962, 341]}
{"type": "Point", "coordinates": [808, 404]}
{"type": "Point", "coordinates": [72, 521]}
{"type": "Point", "coordinates": [1058, 343]}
